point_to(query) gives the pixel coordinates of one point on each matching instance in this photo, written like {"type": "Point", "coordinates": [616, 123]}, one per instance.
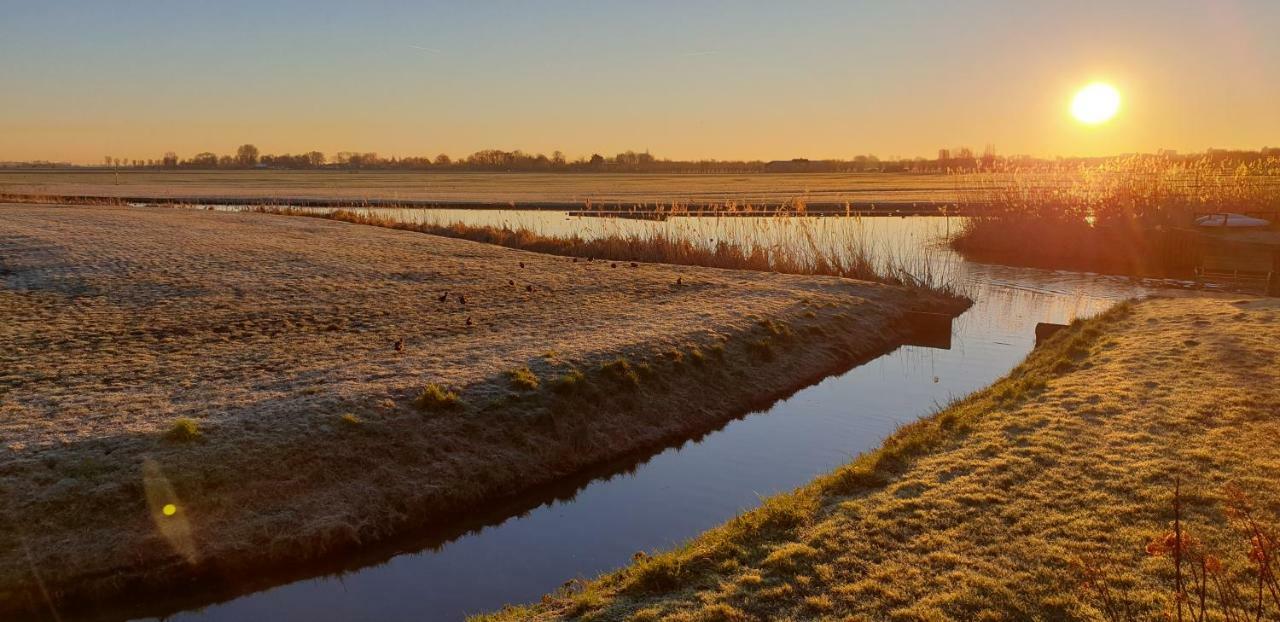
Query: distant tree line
{"type": "Point", "coordinates": [248, 156]}
{"type": "Point", "coordinates": [948, 159]}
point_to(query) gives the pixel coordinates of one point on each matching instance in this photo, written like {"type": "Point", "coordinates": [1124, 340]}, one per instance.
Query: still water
{"type": "Point", "coordinates": [686, 489]}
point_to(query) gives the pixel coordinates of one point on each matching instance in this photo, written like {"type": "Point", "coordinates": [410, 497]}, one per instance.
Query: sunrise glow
{"type": "Point", "coordinates": [1096, 103]}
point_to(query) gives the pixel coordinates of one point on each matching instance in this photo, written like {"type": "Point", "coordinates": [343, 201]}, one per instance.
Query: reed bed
{"type": "Point", "coordinates": [1127, 215]}
{"type": "Point", "coordinates": [787, 242]}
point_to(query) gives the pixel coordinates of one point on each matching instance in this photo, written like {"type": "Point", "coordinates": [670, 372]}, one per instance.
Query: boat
{"type": "Point", "coordinates": [1230, 220]}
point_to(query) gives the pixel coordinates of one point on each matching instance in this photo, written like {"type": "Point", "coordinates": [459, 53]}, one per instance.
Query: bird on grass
{"type": "Point", "coordinates": [469, 322]}
{"type": "Point", "coordinates": [528, 288]}
{"type": "Point", "coordinates": [462, 299]}
{"type": "Point", "coordinates": [443, 297]}
{"type": "Point", "coordinates": [400, 345]}
{"type": "Point", "coordinates": [679, 280]}
{"type": "Point", "coordinates": [522, 264]}
{"type": "Point", "coordinates": [635, 265]}
{"type": "Point", "coordinates": [511, 283]}
{"type": "Point", "coordinates": [613, 265]}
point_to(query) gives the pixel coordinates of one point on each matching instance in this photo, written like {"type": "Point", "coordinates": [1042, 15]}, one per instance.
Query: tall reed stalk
{"type": "Point", "coordinates": [1128, 215]}
{"type": "Point", "coordinates": [788, 243]}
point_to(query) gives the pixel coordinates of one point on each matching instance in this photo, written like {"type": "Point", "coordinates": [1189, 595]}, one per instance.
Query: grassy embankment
{"type": "Point", "coordinates": [1121, 217]}
{"type": "Point", "coordinates": [1000, 506]}
{"type": "Point", "coordinates": [204, 399]}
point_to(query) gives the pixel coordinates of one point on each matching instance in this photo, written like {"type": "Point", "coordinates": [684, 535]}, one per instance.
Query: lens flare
{"type": "Point", "coordinates": [162, 501]}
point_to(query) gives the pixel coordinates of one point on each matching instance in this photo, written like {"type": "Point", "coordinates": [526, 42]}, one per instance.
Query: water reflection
{"type": "Point", "coordinates": [685, 490]}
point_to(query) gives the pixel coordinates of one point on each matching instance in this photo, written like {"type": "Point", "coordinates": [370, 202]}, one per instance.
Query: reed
{"type": "Point", "coordinates": [1127, 215]}
{"type": "Point", "coordinates": [788, 242]}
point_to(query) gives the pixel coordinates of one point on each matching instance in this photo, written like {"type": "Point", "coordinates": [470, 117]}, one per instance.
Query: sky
{"type": "Point", "coordinates": [684, 80]}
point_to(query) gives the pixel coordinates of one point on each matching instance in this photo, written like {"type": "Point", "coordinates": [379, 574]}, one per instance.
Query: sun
{"type": "Point", "coordinates": [1096, 103]}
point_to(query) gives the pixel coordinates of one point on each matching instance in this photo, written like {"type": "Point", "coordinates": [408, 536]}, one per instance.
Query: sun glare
{"type": "Point", "coordinates": [1095, 103]}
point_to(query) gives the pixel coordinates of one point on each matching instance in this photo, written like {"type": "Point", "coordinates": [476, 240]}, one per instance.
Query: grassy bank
{"type": "Point", "coordinates": [200, 399]}
{"type": "Point", "coordinates": [1127, 216]}
{"type": "Point", "coordinates": [1000, 506]}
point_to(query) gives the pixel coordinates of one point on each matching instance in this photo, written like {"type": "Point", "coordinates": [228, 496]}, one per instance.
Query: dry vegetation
{"type": "Point", "coordinates": [1016, 503]}
{"type": "Point", "coordinates": [190, 395]}
{"type": "Point", "coordinates": [848, 257]}
{"type": "Point", "coordinates": [1122, 216]}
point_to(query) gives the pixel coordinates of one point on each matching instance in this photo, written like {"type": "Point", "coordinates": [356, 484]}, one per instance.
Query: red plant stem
{"type": "Point", "coordinates": [1177, 543]}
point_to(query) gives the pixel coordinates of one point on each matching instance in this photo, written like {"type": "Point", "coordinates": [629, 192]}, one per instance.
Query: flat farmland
{"type": "Point", "coordinates": [491, 188]}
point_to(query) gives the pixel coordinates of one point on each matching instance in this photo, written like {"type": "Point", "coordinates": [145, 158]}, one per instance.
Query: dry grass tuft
{"type": "Point", "coordinates": [184, 430]}
{"type": "Point", "coordinates": [571, 382]}
{"type": "Point", "coordinates": [621, 370]}
{"type": "Point", "coordinates": [436, 398]}
{"type": "Point", "coordinates": [523, 379]}
{"type": "Point", "coordinates": [761, 348]}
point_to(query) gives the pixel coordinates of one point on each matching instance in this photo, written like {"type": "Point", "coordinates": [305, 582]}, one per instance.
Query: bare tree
{"type": "Point", "coordinates": [246, 155]}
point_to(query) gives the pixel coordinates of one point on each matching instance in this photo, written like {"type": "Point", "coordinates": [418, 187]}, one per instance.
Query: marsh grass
{"type": "Point", "coordinates": [788, 242]}
{"type": "Point", "coordinates": [1127, 215]}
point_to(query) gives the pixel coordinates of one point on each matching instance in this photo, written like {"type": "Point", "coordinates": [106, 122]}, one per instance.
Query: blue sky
{"type": "Point", "coordinates": [683, 79]}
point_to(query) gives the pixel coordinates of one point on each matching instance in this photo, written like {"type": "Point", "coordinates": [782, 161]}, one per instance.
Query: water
{"type": "Point", "coordinates": [684, 490]}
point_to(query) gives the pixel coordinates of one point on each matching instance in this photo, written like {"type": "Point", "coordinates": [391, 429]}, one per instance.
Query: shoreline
{"type": "Point", "coordinates": [983, 510]}
{"type": "Point", "coordinates": [357, 516]}
{"type": "Point", "coordinates": [1236, 260]}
